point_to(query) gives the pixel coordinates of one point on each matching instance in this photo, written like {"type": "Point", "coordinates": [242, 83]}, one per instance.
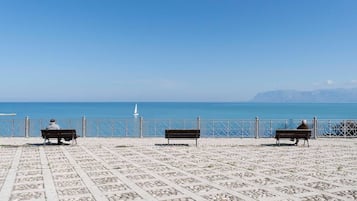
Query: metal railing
{"type": "Point", "coordinates": [140, 127]}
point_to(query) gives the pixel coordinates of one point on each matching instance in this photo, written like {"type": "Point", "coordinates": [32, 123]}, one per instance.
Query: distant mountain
{"type": "Point", "coordinates": [316, 96]}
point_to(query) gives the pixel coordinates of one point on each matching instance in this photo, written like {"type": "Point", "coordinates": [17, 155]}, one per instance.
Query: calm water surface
{"type": "Point", "coordinates": [183, 110]}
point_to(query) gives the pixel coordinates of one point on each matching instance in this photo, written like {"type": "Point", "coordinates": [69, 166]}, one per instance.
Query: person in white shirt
{"type": "Point", "coordinates": [54, 126]}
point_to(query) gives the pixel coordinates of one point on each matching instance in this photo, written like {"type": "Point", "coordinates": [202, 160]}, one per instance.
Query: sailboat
{"type": "Point", "coordinates": [136, 110]}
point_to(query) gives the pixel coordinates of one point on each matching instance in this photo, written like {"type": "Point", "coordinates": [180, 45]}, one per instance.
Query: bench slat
{"type": "Point", "coordinates": [67, 134]}
{"type": "Point", "coordinates": [293, 133]}
{"type": "Point", "coordinates": [182, 131]}
{"type": "Point", "coordinates": [182, 134]}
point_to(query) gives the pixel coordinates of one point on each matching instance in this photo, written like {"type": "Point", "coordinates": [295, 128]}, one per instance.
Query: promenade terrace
{"type": "Point", "coordinates": [148, 169]}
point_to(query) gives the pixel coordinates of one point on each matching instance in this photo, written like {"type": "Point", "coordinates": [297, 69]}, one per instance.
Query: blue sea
{"type": "Point", "coordinates": [180, 110]}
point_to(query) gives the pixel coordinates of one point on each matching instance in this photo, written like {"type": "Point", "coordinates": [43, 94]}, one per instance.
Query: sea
{"type": "Point", "coordinates": [178, 110]}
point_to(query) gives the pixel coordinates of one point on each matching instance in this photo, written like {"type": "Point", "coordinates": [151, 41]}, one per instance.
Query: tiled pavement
{"type": "Point", "coordinates": [146, 169]}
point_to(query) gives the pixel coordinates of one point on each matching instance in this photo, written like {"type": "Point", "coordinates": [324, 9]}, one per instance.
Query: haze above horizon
{"type": "Point", "coordinates": [202, 50]}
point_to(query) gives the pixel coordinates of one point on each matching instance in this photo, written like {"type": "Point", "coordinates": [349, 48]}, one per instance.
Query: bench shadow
{"type": "Point", "coordinates": [277, 145]}
{"type": "Point", "coordinates": [10, 146]}
{"type": "Point", "coordinates": [32, 144]}
{"type": "Point", "coordinates": [123, 146]}
{"type": "Point", "coordinates": [172, 145]}
{"type": "Point", "coordinates": [47, 144]}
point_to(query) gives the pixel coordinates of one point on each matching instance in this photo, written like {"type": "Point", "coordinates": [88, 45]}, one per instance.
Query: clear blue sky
{"type": "Point", "coordinates": [174, 50]}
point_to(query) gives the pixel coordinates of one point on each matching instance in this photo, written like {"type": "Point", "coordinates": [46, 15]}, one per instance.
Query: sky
{"type": "Point", "coordinates": [174, 50]}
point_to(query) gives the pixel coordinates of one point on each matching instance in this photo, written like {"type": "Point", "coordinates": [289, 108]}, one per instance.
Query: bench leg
{"type": "Point", "coordinates": [307, 140]}
{"type": "Point", "coordinates": [196, 142]}
{"type": "Point", "coordinates": [168, 140]}
{"type": "Point", "coordinates": [47, 140]}
{"type": "Point", "coordinates": [59, 140]}
{"type": "Point", "coordinates": [74, 139]}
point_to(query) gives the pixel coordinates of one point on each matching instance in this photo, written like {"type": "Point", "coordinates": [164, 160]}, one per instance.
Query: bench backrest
{"type": "Point", "coordinates": [182, 133]}
{"type": "Point", "coordinates": [287, 133]}
{"type": "Point", "coordinates": [65, 133]}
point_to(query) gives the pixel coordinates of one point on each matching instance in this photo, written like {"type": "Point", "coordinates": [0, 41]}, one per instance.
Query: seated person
{"type": "Point", "coordinates": [54, 126]}
{"type": "Point", "coordinates": [303, 125]}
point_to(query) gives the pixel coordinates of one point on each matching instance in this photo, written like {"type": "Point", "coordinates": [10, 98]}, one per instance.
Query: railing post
{"type": "Point", "coordinates": [271, 128]}
{"type": "Point", "coordinates": [213, 128]}
{"type": "Point", "coordinates": [329, 128]}
{"type": "Point", "coordinates": [84, 126]}
{"type": "Point", "coordinates": [141, 127]}
{"type": "Point", "coordinates": [198, 122]}
{"type": "Point", "coordinates": [315, 127]}
{"type": "Point", "coordinates": [256, 127]}
{"type": "Point", "coordinates": [27, 127]}
{"type": "Point", "coordinates": [13, 128]}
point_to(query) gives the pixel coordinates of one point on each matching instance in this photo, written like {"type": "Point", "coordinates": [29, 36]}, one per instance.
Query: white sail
{"type": "Point", "coordinates": [136, 110]}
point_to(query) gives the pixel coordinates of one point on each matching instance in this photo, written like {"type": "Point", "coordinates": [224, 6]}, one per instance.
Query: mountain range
{"type": "Point", "coordinates": [341, 95]}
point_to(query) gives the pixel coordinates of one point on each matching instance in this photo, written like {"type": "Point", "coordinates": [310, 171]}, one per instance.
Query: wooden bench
{"type": "Point", "coordinates": [293, 133]}
{"type": "Point", "coordinates": [66, 134]}
{"type": "Point", "coordinates": [182, 134]}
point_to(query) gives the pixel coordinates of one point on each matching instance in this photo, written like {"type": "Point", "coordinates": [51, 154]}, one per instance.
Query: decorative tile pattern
{"type": "Point", "coordinates": [78, 198]}
{"type": "Point", "coordinates": [291, 189]}
{"type": "Point", "coordinates": [218, 169]}
{"type": "Point", "coordinates": [321, 185]}
{"type": "Point", "coordinates": [223, 196]}
{"type": "Point", "coordinates": [200, 188]}
{"type": "Point", "coordinates": [151, 184]}
{"type": "Point", "coordinates": [266, 181]}
{"type": "Point", "coordinates": [72, 191]}
{"type": "Point", "coordinates": [181, 199]}
{"type": "Point", "coordinates": [350, 194]}
{"type": "Point", "coordinates": [113, 187]}
{"type": "Point", "coordinates": [259, 194]}
{"type": "Point", "coordinates": [320, 197]}
{"type": "Point", "coordinates": [28, 186]}
{"type": "Point", "coordinates": [164, 192]}
{"type": "Point", "coordinates": [188, 180]}
{"type": "Point", "coordinates": [37, 195]}
{"type": "Point", "coordinates": [124, 196]}
{"type": "Point", "coordinates": [235, 184]}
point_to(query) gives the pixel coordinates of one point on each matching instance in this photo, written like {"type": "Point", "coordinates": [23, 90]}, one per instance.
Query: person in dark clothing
{"type": "Point", "coordinates": [303, 125]}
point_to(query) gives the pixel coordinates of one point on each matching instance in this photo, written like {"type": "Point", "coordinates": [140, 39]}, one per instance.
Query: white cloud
{"type": "Point", "coordinates": [330, 82]}
{"type": "Point", "coordinates": [354, 82]}
{"type": "Point", "coordinates": [323, 84]}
